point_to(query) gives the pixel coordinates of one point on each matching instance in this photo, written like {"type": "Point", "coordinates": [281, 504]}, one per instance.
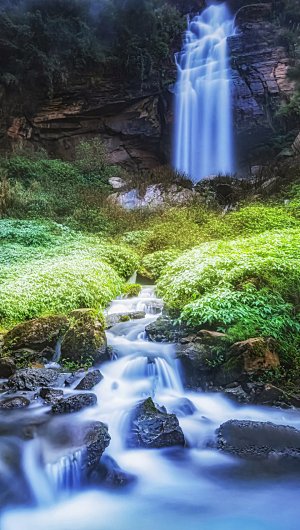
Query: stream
{"type": "Point", "coordinates": [191, 488]}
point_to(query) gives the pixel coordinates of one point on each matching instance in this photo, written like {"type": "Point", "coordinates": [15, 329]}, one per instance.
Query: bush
{"type": "Point", "coordinates": [267, 260]}
{"type": "Point", "coordinates": [47, 268]}
{"type": "Point", "coordinates": [153, 264]}
{"type": "Point", "coordinates": [131, 290]}
{"type": "Point", "coordinates": [56, 285]}
{"type": "Point", "coordinates": [92, 161]}
{"type": "Point", "coordinates": [243, 314]}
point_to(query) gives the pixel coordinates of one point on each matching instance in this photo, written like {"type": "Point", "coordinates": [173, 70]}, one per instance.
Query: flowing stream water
{"type": "Point", "coordinates": [203, 143]}
{"type": "Point", "coordinates": [191, 488]}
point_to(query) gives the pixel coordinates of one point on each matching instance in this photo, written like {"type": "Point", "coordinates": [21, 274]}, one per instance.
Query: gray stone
{"type": "Point", "coordinates": [74, 403]}
{"type": "Point", "coordinates": [90, 380]}
{"type": "Point", "coordinates": [33, 378]}
{"type": "Point", "coordinates": [153, 427]}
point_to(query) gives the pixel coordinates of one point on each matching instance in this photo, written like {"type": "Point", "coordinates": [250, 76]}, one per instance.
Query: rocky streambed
{"type": "Point", "coordinates": [135, 441]}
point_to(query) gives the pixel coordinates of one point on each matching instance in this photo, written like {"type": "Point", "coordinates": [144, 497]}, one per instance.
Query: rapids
{"type": "Point", "coordinates": [192, 488]}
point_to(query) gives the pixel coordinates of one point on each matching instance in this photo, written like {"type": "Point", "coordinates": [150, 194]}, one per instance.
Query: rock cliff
{"type": "Point", "coordinates": [136, 123]}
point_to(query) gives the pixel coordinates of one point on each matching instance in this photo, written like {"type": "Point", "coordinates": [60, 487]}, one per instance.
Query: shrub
{"type": "Point", "coordinates": [56, 285]}
{"type": "Point", "coordinates": [269, 259]}
{"type": "Point", "coordinates": [153, 264]}
{"type": "Point", "coordinates": [131, 290]}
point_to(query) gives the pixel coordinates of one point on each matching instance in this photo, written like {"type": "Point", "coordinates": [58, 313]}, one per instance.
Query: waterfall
{"type": "Point", "coordinates": [65, 474]}
{"type": "Point", "coordinates": [203, 143]}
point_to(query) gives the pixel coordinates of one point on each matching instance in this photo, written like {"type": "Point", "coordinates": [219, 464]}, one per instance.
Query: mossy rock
{"type": "Point", "coordinates": [131, 290]}
{"type": "Point", "coordinates": [85, 341]}
{"type": "Point", "coordinates": [247, 359]}
{"type": "Point", "coordinates": [35, 335]}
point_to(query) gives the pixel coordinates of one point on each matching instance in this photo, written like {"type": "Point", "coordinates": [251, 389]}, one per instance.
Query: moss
{"type": "Point", "coordinates": [131, 290]}
{"type": "Point", "coordinates": [85, 341]}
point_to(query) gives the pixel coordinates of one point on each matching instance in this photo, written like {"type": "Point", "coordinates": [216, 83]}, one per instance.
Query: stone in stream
{"type": "Point", "coordinates": [74, 403]}
{"type": "Point", "coordinates": [85, 340]}
{"type": "Point", "coordinates": [33, 378]}
{"type": "Point", "coordinates": [278, 446]}
{"type": "Point", "coordinates": [90, 380]}
{"type": "Point", "coordinates": [118, 318]}
{"type": "Point", "coordinates": [163, 329]}
{"type": "Point", "coordinates": [51, 395]}
{"type": "Point", "coordinates": [16, 402]}
{"type": "Point", "coordinates": [152, 427]}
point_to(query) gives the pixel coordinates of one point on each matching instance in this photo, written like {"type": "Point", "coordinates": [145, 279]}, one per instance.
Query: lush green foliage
{"type": "Point", "coordinates": [152, 265]}
{"type": "Point", "coordinates": [131, 289]}
{"type": "Point", "coordinates": [47, 268]}
{"type": "Point", "coordinates": [246, 287]}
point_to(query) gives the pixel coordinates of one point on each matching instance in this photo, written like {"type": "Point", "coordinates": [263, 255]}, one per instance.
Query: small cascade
{"type": "Point", "coordinates": [203, 144]}
{"type": "Point", "coordinates": [162, 495]}
{"type": "Point", "coordinates": [65, 475]}
{"type": "Point", "coordinates": [37, 480]}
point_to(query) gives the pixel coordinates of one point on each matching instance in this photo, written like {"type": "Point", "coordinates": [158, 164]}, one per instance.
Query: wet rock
{"type": "Point", "coordinates": [109, 474]}
{"type": "Point", "coordinates": [164, 330]}
{"type": "Point", "coordinates": [7, 367]}
{"type": "Point", "coordinates": [16, 402]}
{"type": "Point", "coordinates": [246, 359]}
{"type": "Point", "coordinates": [74, 403]}
{"type": "Point", "coordinates": [117, 318]}
{"type": "Point", "coordinates": [259, 440]}
{"type": "Point", "coordinates": [267, 394]}
{"type": "Point", "coordinates": [194, 360]}
{"type": "Point", "coordinates": [51, 395]}
{"type": "Point", "coordinates": [95, 438]}
{"type": "Point", "coordinates": [35, 334]}
{"type": "Point", "coordinates": [90, 380]}
{"type": "Point", "coordinates": [153, 427]}
{"type": "Point", "coordinates": [85, 340]}
{"type": "Point", "coordinates": [68, 435]}
{"type": "Point", "coordinates": [33, 378]}
{"type": "Point", "coordinates": [238, 394]}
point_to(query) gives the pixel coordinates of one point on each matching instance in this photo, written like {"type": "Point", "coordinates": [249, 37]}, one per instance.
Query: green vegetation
{"type": "Point", "coordinates": [47, 268]}
{"type": "Point", "coordinates": [244, 287]}
{"type": "Point", "coordinates": [64, 247]}
{"type": "Point", "coordinates": [131, 289]}
{"type": "Point", "coordinates": [45, 45]}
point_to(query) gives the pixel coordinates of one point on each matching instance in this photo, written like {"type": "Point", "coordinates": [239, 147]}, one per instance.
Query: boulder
{"type": "Point", "coordinates": [33, 378]}
{"type": "Point", "coordinates": [247, 359]}
{"type": "Point", "coordinates": [67, 436]}
{"type": "Point", "coordinates": [195, 362]}
{"type": "Point", "coordinates": [7, 367]}
{"type": "Point", "coordinates": [35, 334]}
{"type": "Point", "coordinates": [85, 340]}
{"type": "Point", "coordinates": [259, 440]}
{"type": "Point", "coordinates": [51, 395]}
{"type": "Point", "coordinates": [16, 402]}
{"type": "Point", "coordinates": [74, 403]}
{"type": "Point", "coordinates": [117, 318]}
{"type": "Point", "coordinates": [163, 329]}
{"type": "Point", "coordinates": [90, 380]}
{"type": "Point", "coordinates": [152, 427]}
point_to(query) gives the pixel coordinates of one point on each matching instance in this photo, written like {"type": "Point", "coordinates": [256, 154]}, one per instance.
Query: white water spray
{"type": "Point", "coordinates": [203, 143]}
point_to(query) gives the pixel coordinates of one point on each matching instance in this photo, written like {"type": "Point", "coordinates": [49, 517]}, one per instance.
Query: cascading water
{"type": "Point", "coordinates": [203, 144]}
{"type": "Point", "coordinates": [195, 487]}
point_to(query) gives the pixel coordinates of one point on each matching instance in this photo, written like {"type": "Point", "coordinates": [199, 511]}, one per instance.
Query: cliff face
{"type": "Point", "coordinates": [260, 83]}
{"type": "Point", "coordinates": [136, 123]}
